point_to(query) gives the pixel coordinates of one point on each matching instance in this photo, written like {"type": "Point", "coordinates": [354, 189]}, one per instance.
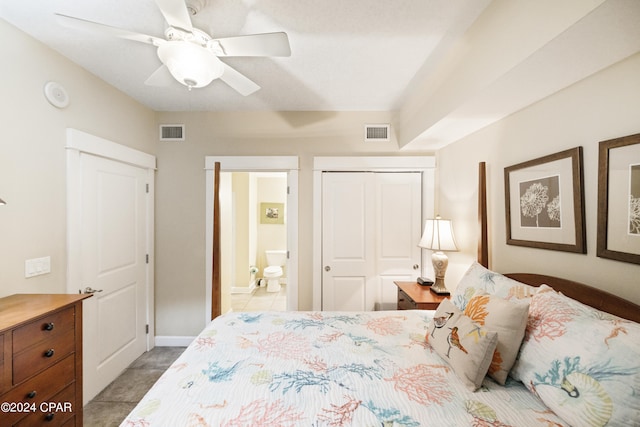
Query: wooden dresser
{"type": "Point", "coordinates": [41, 360]}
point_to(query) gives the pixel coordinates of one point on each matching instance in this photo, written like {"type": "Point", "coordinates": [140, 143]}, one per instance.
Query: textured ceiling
{"type": "Point", "coordinates": [354, 55]}
{"type": "Point", "coordinates": [445, 68]}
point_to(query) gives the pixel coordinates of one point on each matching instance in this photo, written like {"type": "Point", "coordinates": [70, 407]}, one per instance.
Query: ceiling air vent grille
{"type": "Point", "coordinates": [171, 132]}
{"type": "Point", "coordinates": [376, 133]}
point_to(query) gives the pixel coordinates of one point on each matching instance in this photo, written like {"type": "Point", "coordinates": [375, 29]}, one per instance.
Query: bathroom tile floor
{"type": "Point", "coordinates": [260, 300]}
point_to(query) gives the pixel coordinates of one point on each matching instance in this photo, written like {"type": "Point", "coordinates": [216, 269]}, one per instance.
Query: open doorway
{"type": "Point", "coordinates": [253, 241]}
{"type": "Point", "coordinates": [264, 203]}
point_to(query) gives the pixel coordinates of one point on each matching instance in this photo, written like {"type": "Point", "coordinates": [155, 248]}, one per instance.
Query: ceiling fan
{"type": "Point", "coordinates": [190, 55]}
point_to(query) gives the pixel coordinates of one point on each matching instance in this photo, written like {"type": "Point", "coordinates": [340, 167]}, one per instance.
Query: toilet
{"type": "Point", "coordinates": [275, 259]}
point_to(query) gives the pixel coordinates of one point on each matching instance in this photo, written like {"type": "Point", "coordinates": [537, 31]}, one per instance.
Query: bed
{"type": "Point", "coordinates": [505, 350]}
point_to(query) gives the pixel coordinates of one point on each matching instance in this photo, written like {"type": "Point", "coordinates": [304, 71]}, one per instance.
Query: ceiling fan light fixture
{"type": "Point", "coordinates": [192, 65]}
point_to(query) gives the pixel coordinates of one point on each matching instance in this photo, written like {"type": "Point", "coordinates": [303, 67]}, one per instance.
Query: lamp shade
{"type": "Point", "coordinates": [438, 235]}
{"type": "Point", "coordinates": [190, 64]}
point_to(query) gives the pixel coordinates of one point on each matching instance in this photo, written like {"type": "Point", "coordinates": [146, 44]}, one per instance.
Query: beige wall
{"type": "Point", "coordinates": [32, 153]}
{"type": "Point", "coordinates": [241, 242]}
{"type": "Point", "coordinates": [180, 197]}
{"type": "Point", "coordinates": [601, 107]}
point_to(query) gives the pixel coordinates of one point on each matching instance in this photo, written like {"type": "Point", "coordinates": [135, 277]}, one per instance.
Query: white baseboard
{"type": "Point", "coordinates": [173, 341]}
{"type": "Point", "coordinates": [244, 289]}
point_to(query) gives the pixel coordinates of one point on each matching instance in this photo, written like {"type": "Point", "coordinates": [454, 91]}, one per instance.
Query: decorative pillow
{"type": "Point", "coordinates": [509, 320]}
{"type": "Point", "coordinates": [463, 344]}
{"type": "Point", "coordinates": [582, 362]}
{"type": "Point", "coordinates": [477, 278]}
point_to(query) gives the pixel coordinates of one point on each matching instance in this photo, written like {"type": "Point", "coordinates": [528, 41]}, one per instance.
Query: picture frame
{"type": "Point", "coordinates": [544, 202]}
{"type": "Point", "coordinates": [271, 213]}
{"type": "Point", "coordinates": [618, 235]}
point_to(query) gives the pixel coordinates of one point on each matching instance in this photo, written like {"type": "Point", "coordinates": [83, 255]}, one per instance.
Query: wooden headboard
{"type": "Point", "coordinates": [588, 295]}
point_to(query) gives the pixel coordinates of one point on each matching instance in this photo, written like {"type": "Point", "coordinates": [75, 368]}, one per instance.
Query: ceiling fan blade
{"type": "Point", "coordinates": [83, 24]}
{"type": "Point", "coordinates": [175, 13]}
{"type": "Point", "coordinates": [160, 77]}
{"type": "Point", "coordinates": [238, 81]}
{"type": "Point", "coordinates": [267, 44]}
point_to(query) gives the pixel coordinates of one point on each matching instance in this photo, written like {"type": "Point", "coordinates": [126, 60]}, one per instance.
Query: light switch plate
{"type": "Point", "coordinates": [37, 266]}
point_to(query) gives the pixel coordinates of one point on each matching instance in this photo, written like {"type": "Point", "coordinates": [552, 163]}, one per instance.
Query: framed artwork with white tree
{"type": "Point", "coordinates": [544, 202]}
{"type": "Point", "coordinates": [619, 199]}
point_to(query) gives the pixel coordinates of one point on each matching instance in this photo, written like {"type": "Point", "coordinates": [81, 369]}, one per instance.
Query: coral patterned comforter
{"type": "Point", "coordinates": [326, 369]}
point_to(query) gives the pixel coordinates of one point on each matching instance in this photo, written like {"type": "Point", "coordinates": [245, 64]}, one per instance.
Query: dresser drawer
{"type": "Point", "coordinates": [50, 413]}
{"type": "Point", "coordinates": [45, 384]}
{"type": "Point", "coordinates": [41, 356]}
{"type": "Point", "coordinates": [41, 388]}
{"type": "Point", "coordinates": [405, 302]}
{"type": "Point", "coordinates": [4, 386]}
{"type": "Point", "coordinates": [53, 325]}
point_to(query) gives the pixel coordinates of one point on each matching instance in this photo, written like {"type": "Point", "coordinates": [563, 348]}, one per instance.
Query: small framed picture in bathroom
{"type": "Point", "coordinates": [271, 213]}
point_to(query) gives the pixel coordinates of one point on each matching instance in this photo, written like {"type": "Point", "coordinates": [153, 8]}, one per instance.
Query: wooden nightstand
{"type": "Point", "coordinates": [412, 296]}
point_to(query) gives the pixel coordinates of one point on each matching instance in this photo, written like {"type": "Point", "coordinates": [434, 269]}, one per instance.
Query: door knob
{"type": "Point", "coordinates": [416, 266]}
{"type": "Point", "coordinates": [327, 268]}
{"type": "Point", "coordinates": [90, 290]}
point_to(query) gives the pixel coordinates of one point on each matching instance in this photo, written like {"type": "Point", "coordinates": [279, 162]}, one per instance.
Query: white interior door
{"type": "Point", "coordinates": [370, 229]}
{"type": "Point", "coordinates": [113, 260]}
{"type": "Point", "coordinates": [348, 281]}
{"type": "Point", "coordinates": [398, 230]}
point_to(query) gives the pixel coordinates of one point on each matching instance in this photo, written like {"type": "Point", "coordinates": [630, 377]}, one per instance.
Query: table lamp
{"type": "Point", "coordinates": [438, 237]}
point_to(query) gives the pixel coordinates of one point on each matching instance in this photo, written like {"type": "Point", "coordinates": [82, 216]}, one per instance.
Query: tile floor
{"type": "Point", "coordinates": [260, 300]}
{"type": "Point", "coordinates": [112, 405]}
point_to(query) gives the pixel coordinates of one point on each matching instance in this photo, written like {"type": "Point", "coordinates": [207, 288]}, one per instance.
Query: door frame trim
{"type": "Point", "coordinates": [77, 143]}
{"type": "Point", "coordinates": [288, 164]}
{"type": "Point", "coordinates": [424, 164]}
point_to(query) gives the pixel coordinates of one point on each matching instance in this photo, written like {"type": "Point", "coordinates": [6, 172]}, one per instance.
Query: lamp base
{"type": "Point", "coordinates": [438, 287]}
{"type": "Point", "coordinates": [440, 263]}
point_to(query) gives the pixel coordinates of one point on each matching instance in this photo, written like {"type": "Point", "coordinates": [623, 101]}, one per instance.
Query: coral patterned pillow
{"type": "Point", "coordinates": [479, 280]}
{"type": "Point", "coordinates": [463, 344]}
{"type": "Point", "coordinates": [509, 320]}
{"type": "Point", "coordinates": [582, 362]}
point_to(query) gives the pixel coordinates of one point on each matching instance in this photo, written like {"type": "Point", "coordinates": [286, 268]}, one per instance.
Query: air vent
{"type": "Point", "coordinates": [376, 133]}
{"type": "Point", "coordinates": [171, 132]}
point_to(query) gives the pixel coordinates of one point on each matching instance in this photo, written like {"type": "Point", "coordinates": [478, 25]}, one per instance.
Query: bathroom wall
{"type": "Point", "coordinates": [241, 195]}
{"type": "Point", "coordinates": [271, 188]}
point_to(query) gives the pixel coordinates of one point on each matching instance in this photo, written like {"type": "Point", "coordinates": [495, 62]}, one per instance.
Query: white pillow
{"type": "Point", "coordinates": [583, 363]}
{"type": "Point", "coordinates": [478, 280]}
{"type": "Point", "coordinates": [461, 343]}
{"type": "Point", "coordinates": [509, 320]}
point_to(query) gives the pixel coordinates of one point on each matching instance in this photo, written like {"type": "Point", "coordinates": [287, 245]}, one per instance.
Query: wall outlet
{"type": "Point", "coordinates": [37, 266]}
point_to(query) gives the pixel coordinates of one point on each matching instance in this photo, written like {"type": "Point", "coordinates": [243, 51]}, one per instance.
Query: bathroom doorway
{"type": "Point", "coordinates": [258, 209]}
{"type": "Point", "coordinates": [254, 240]}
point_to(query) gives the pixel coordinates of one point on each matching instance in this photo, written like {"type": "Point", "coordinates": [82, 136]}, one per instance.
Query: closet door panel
{"type": "Point", "coordinates": [348, 241]}
{"type": "Point", "coordinates": [398, 229]}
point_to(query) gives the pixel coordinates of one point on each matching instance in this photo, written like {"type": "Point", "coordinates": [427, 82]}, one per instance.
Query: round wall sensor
{"type": "Point", "coordinates": [56, 95]}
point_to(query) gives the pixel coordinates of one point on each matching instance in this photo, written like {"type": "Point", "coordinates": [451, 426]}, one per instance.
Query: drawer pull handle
{"type": "Point", "coordinates": [49, 353]}
{"type": "Point", "coordinates": [48, 326]}
{"type": "Point", "coordinates": [31, 394]}
{"type": "Point", "coordinates": [49, 416]}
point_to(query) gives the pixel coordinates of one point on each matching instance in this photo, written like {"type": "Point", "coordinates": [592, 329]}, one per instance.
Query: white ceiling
{"type": "Point", "coordinates": [355, 55]}
{"type": "Point", "coordinates": [445, 67]}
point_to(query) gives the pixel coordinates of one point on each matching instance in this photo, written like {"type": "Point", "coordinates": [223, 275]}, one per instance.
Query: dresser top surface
{"type": "Point", "coordinates": [20, 308]}
{"type": "Point", "coordinates": [419, 293]}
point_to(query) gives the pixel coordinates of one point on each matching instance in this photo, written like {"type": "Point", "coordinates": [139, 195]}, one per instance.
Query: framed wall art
{"type": "Point", "coordinates": [271, 213]}
{"type": "Point", "coordinates": [619, 199]}
{"type": "Point", "coordinates": [544, 201]}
